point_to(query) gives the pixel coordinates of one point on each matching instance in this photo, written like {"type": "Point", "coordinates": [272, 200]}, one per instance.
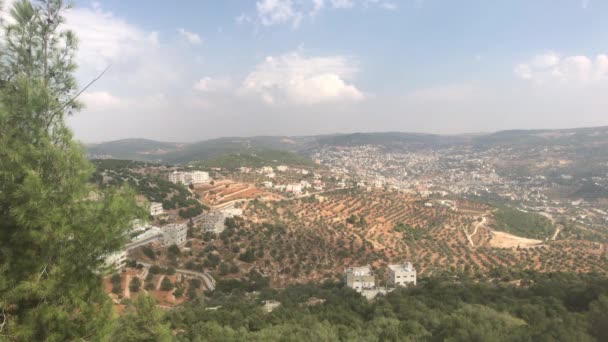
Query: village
{"type": "Point", "coordinates": [345, 227]}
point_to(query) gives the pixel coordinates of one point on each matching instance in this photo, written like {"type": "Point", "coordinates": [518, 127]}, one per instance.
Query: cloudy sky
{"type": "Point", "coordinates": [193, 70]}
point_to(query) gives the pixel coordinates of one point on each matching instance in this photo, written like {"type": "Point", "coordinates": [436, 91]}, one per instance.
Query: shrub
{"type": "Point", "coordinates": [166, 285]}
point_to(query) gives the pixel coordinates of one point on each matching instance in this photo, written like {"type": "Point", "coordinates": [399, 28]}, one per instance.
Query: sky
{"type": "Point", "coordinates": [195, 70]}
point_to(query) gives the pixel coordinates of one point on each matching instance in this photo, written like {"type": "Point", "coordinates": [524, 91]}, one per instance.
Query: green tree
{"type": "Point", "coordinates": [174, 250]}
{"type": "Point", "coordinates": [598, 317]}
{"type": "Point", "coordinates": [135, 284]}
{"type": "Point", "coordinates": [166, 284]}
{"type": "Point", "coordinates": [53, 234]}
{"type": "Point", "coordinates": [142, 322]}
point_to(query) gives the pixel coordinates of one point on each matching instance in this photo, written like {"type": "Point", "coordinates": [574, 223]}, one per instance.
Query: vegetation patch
{"type": "Point", "coordinates": [523, 224]}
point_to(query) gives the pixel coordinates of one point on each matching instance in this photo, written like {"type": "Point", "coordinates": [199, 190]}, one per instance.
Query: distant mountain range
{"type": "Point", "coordinates": [593, 139]}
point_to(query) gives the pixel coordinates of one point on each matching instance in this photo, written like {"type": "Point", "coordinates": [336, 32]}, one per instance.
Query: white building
{"type": "Point", "coordinates": [194, 177]}
{"type": "Point", "coordinates": [177, 177]}
{"type": "Point", "coordinates": [174, 234]}
{"type": "Point", "coordinates": [270, 305]}
{"type": "Point", "coordinates": [360, 278]}
{"type": "Point", "coordinates": [296, 189]}
{"type": "Point", "coordinates": [267, 184]}
{"type": "Point", "coordinates": [199, 177]}
{"type": "Point", "coordinates": [266, 169]}
{"type": "Point", "coordinates": [214, 221]}
{"type": "Point", "coordinates": [282, 168]}
{"type": "Point", "coordinates": [156, 209]}
{"type": "Point", "coordinates": [402, 274]}
{"type": "Point", "coordinates": [116, 260]}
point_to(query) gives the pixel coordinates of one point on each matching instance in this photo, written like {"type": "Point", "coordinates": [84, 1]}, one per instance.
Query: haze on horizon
{"type": "Point", "coordinates": [302, 67]}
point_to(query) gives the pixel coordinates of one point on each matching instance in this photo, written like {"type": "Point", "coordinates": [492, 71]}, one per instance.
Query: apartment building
{"type": "Point", "coordinates": [174, 234]}
{"type": "Point", "coordinates": [156, 209]}
{"type": "Point", "coordinates": [402, 274]}
{"type": "Point", "coordinates": [214, 221]}
{"type": "Point", "coordinates": [360, 278]}
{"type": "Point", "coordinates": [186, 178]}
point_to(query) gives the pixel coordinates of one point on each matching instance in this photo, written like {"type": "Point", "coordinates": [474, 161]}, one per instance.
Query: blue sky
{"type": "Point", "coordinates": [192, 70]}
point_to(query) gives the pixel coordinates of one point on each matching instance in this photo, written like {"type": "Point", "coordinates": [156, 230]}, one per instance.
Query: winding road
{"type": "Point", "coordinates": [205, 277]}
{"type": "Point", "coordinates": [470, 236]}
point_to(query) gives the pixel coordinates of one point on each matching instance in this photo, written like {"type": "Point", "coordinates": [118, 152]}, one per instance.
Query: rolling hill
{"type": "Point", "coordinates": [588, 141]}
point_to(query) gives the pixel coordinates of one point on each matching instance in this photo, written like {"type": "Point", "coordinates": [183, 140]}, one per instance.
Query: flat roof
{"type": "Point", "coordinates": [406, 267]}
{"type": "Point", "coordinates": [360, 270]}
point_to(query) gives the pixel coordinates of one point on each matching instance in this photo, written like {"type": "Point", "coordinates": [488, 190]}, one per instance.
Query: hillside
{"type": "Point", "coordinates": [255, 159]}
{"type": "Point", "coordinates": [133, 149]}
{"type": "Point", "coordinates": [314, 238]}
{"type": "Point", "coordinates": [147, 179]}
{"type": "Point", "coordinates": [590, 191]}
{"type": "Point", "coordinates": [551, 307]}
{"type": "Point", "coordinates": [586, 142]}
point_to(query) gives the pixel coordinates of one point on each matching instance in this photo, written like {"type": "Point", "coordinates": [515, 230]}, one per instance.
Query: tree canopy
{"type": "Point", "coordinates": [53, 234]}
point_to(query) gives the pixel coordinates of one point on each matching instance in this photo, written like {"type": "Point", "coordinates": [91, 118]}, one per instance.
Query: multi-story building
{"type": "Point", "coordinates": [265, 169]}
{"type": "Point", "coordinates": [296, 189]}
{"type": "Point", "coordinates": [174, 234]}
{"type": "Point", "coordinates": [116, 260]}
{"type": "Point", "coordinates": [199, 177]}
{"type": "Point", "coordinates": [402, 274]}
{"type": "Point", "coordinates": [194, 177]}
{"type": "Point", "coordinates": [177, 177]}
{"type": "Point", "coordinates": [156, 209]}
{"type": "Point", "coordinates": [214, 221]}
{"type": "Point", "coordinates": [360, 278]}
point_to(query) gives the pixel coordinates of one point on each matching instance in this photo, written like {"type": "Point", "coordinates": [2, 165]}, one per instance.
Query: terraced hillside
{"type": "Point", "coordinates": [313, 238]}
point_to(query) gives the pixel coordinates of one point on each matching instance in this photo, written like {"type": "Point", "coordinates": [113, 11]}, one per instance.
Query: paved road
{"type": "Point", "coordinates": [205, 277]}
{"type": "Point", "coordinates": [146, 241]}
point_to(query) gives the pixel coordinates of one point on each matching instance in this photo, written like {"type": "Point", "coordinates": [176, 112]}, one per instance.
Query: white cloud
{"type": "Point", "coordinates": [209, 84]}
{"type": "Point", "coordinates": [100, 100]}
{"type": "Point", "coordinates": [385, 4]}
{"type": "Point", "coordinates": [272, 12]}
{"type": "Point", "coordinates": [141, 62]}
{"type": "Point", "coordinates": [276, 12]}
{"type": "Point", "coordinates": [317, 6]}
{"type": "Point", "coordinates": [193, 38]}
{"type": "Point", "coordinates": [551, 68]}
{"type": "Point", "coordinates": [391, 6]}
{"type": "Point", "coordinates": [303, 80]}
{"type": "Point", "coordinates": [342, 3]}
{"type": "Point", "coordinates": [106, 39]}
{"type": "Point", "coordinates": [243, 18]}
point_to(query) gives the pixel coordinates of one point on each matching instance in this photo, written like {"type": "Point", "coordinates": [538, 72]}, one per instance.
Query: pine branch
{"type": "Point", "coordinates": [75, 97]}
{"type": "Point", "coordinates": [81, 91]}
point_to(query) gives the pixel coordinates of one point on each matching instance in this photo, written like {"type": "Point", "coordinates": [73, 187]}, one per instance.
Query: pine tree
{"type": "Point", "coordinates": [53, 234]}
{"type": "Point", "coordinates": [143, 322]}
